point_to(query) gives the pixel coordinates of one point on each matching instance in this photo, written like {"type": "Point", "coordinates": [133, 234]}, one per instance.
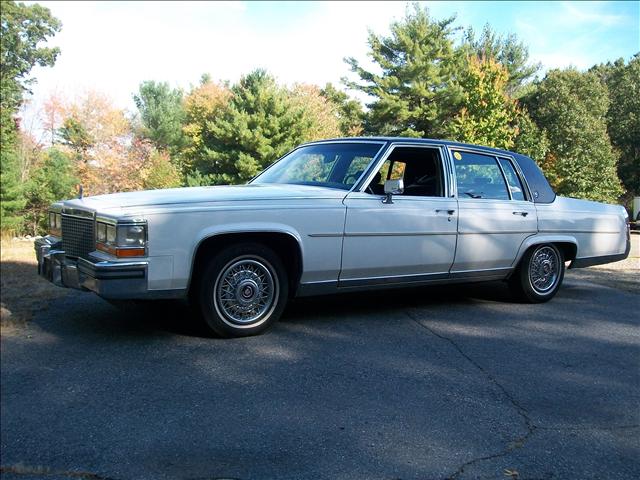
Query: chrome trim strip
{"type": "Point", "coordinates": [324, 235]}
{"type": "Point", "coordinates": [395, 234]}
{"type": "Point", "coordinates": [116, 265]}
{"type": "Point", "coordinates": [480, 273]}
{"type": "Point", "coordinates": [609, 232]}
{"type": "Point", "coordinates": [107, 220]}
{"type": "Point", "coordinates": [392, 280]}
{"type": "Point", "coordinates": [78, 213]}
{"type": "Point", "coordinates": [498, 232]}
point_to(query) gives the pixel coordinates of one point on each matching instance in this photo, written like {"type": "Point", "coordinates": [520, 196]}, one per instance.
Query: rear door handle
{"type": "Point", "coordinates": [449, 212]}
{"type": "Point", "coordinates": [524, 214]}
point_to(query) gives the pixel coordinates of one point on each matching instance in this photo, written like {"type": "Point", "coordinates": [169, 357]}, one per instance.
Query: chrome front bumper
{"type": "Point", "coordinates": [107, 279]}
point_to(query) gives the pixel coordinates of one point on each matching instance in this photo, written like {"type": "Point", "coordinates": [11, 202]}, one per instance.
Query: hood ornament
{"type": "Point", "coordinates": [80, 191]}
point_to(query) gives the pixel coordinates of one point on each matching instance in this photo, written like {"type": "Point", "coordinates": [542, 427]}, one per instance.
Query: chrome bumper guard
{"type": "Point", "coordinates": [107, 279]}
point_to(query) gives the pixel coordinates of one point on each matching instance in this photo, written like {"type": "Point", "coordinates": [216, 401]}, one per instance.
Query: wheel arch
{"type": "Point", "coordinates": [567, 244]}
{"type": "Point", "coordinates": [285, 244]}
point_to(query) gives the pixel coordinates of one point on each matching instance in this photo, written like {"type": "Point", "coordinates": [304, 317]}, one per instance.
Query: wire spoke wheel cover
{"type": "Point", "coordinates": [544, 269]}
{"type": "Point", "coordinates": [246, 292]}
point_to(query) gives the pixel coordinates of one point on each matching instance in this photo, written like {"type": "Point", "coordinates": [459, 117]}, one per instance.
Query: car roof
{"type": "Point", "coordinates": [417, 141]}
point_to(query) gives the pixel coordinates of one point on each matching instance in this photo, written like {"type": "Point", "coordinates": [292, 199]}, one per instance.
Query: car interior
{"type": "Point", "coordinates": [419, 168]}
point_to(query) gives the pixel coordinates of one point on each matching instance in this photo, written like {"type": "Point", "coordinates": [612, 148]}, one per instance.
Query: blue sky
{"type": "Point", "coordinates": [113, 46]}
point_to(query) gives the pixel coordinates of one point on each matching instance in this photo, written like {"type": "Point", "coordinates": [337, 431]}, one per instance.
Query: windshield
{"type": "Point", "coordinates": [333, 165]}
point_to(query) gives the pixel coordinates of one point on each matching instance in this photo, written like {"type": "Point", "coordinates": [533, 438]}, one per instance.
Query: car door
{"type": "Point", "coordinates": [413, 238]}
{"type": "Point", "coordinates": [495, 212]}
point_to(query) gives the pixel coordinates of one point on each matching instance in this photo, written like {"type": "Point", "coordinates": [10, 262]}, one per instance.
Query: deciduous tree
{"type": "Point", "coordinates": [571, 107]}
{"type": "Point", "coordinates": [348, 110]}
{"type": "Point", "coordinates": [623, 117]}
{"type": "Point", "coordinates": [23, 29]}
{"type": "Point", "coordinates": [488, 115]}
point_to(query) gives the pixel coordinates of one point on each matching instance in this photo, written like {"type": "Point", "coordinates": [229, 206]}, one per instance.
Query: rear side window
{"type": "Point", "coordinates": [515, 186]}
{"type": "Point", "coordinates": [479, 176]}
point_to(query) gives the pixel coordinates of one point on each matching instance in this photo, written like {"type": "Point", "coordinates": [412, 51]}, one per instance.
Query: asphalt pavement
{"type": "Point", "coordinates": [431, 383]}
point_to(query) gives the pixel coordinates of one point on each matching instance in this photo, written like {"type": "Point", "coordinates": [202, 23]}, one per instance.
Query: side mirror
{"type": "Point", "coordinates": [392, 187]}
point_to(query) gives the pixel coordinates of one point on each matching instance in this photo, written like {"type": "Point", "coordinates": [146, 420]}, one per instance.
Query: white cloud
{"type": "Point", "coordinates": [113, 46]}
{"type": "Point", "coordinates": [592, 13]}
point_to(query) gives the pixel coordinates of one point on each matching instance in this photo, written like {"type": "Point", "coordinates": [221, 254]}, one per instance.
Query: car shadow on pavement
{"type": "Point", "coordinates": [180, 318]}
{"type": "Point", "coordinates": [414, 383]}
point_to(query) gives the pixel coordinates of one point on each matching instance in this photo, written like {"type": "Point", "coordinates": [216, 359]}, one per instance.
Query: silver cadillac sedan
{"type": "Point", "coordinates": [333, 216]}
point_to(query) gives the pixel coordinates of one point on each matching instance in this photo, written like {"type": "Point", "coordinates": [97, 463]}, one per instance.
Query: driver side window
{"type": "Point", "coordinates": [420, 168]}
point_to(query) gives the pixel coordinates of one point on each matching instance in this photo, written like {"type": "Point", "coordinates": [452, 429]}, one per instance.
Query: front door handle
{"type": "Point", "coordinates": [449, 212]}
{"type": "Point", "coordinates": [524, 214]}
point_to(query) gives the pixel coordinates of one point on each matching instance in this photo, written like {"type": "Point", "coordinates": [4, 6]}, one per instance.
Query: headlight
{"type": "Point", "coordinates": [131, 236]}
{"type": "Point", "coordinates": [55, 224]}
{"type": "Point", "coordinates": [101, 233]}
{"type": "Point", "coordinates": [127, 240]}
{"type": "Point", "coordinates": [111, 235]}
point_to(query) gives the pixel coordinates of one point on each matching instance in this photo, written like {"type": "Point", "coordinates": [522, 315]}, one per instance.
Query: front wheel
{"type": "Point", "coordinates": [539, 275]}
{"type": "Point", "coordinates": [243, 290]}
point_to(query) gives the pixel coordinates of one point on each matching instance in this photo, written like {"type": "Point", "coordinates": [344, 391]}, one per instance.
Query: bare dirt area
{"type": "Point", "coordinates": [624, 275]}
{"type": "Point", "coordinates": [23, 292]}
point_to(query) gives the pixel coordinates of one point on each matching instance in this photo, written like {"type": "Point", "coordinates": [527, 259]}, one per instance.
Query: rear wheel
{"type": "Point", "coordinates": [539, 275]}
{"type": "Point", "coordinates": [243, 290]}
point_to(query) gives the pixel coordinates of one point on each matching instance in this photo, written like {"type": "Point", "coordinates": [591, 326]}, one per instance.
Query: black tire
{"type": "Point", "coordinates": [539, 274]}
{"type": "Point", "coordinates": [244, 280]}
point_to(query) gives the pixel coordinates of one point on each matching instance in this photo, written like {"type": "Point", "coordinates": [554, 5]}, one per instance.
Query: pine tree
{"type": "Point", "coordinates": [508, 51]}
{"type": "Point", "coordinates": [51, 181]}
{"type": "Point", "coordinates": [253, 125]}
{"type": "Point", "coordinates": [414, 94]}
{"type": "Point", "coordinates": [162, 115]}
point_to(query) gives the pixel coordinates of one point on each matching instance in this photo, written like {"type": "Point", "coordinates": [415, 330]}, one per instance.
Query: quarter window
{"type": "Point", "coordinates": [479, 176]}
{"type": "Point", "coordinates": [515, 186]}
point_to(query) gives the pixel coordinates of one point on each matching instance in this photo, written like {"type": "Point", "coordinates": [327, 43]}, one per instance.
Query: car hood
{"type": "Point", "coordinates": [140, 201]}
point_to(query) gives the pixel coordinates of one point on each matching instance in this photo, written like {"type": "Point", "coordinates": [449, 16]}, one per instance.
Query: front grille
{"type": "Point", "coordinates": [78, 236]}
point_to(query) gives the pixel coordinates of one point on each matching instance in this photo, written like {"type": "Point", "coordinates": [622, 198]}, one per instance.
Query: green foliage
{"type": "Point", "coordinates": [22, 29]}
{"type": "Point", "coordinates": [414, 94]}
{"type": "Point", "coordinates": [162, 114]}
{"type": "Point", "coordinates": [11, 192]}
{"type": "Point", "coordinates": [235, 133]}
{"type": "Point", "coordinates": [75, 135]}
{"type": "Point", "coordinates": [52, 180]}
{"type": "Point", "coordinates": [571, 107]}
{"type": "Point", "coordinates": [160, 172]}
{"type": "Point", "coordinates": [530, 140]}
{"type": "Point", "coordinates": [349, 111]}
{"type": "Point", "coordinates": [256, 127]}
{"type": "Point", "coordinates": [623, 117]}
{"type": "Point", "coordinates": [488, 115]}
{"type": "Point", "coordinates": [506, 50]}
